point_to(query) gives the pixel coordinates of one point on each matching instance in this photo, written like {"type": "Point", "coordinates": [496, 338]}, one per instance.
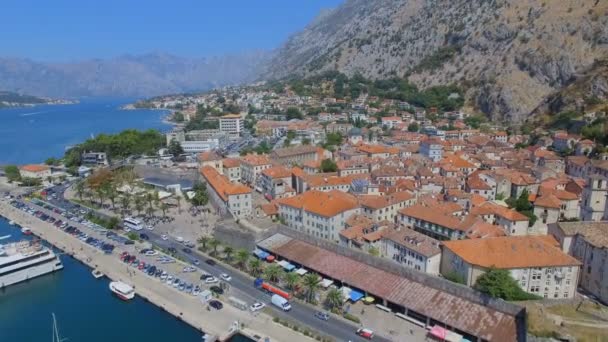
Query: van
{"type": "Point", "coordinates": [280, 302]}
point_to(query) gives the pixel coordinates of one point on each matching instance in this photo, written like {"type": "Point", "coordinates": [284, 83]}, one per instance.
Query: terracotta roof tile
{"type": "Point", "coordinates": [327, 204]}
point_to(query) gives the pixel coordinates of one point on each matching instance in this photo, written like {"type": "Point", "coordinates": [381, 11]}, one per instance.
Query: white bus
{"type": "Point", "coordinates": [132, 223]}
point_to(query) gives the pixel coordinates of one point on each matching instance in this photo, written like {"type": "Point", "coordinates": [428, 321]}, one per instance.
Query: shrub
{"type": "Point", "coordinates": [352, 318]}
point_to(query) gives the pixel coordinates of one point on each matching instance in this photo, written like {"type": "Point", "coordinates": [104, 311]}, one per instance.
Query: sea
{"type": "Point", "coordinates": [83, 306]}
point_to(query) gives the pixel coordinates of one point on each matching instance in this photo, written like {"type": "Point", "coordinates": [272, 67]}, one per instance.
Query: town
{"type": "Point", "coordinates": [401, 211]}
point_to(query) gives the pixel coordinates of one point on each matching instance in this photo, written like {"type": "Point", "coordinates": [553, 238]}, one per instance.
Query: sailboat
{"type": "Point", "coordinates": [56, 337]}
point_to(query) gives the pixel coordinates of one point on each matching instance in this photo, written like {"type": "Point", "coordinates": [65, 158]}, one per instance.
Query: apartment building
{"type": "Point", "coordinates": [317, 213]}
{"type": "Point", "coordinates": [232, 169]}
{"type": "Point", "coordinates": [411, 249]}
{"type": "Point", "coordinates": [276, 182]}
{"type": "Point", "coordinates": [233, 124]}
{"type": "Point", "coordinates": [228, 197]}
{"type": "Point", "coordinates": [432, 149]}
{"type": "Point", "coordinates": [594, 198]}
{"type": "Point", "coordinates": [296, 155]}
{"type": "Point", "coordinates": [211, 158]}
{"type": "Point", "coordinates": [535, 262]}
{"type": "Point", "coordinates": [385, 208]}
{"type": "Point", "coordinates": [252, 166]}
{"type": "Point", "coordinates": [588, 243]}
{"type": "Point", "coordinates": [432, 222]}
{"type": "Point", "coordinates": [38, 171]}
{"type": "Point", "coordinates": [513, 222]}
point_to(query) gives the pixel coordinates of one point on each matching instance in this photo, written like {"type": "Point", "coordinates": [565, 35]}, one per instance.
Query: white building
{"type": "Point", "coordinates": [228, 197]}
{"type": "Point", "coordinates": [535, 262]}
{"type": "Point", "coordinates": [412, 249]}
{"type": "Point", "coordinates": [233, 124]}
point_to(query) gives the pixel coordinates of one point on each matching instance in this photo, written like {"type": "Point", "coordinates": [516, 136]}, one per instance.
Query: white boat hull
{"type": "Point", "coordinates": [30, 272]}
{"type": "Point", "coordinates": [122, 295]}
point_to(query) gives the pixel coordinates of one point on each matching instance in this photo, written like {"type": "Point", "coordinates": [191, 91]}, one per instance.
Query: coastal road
{"type": "Point", "coordinates": [242, 287]}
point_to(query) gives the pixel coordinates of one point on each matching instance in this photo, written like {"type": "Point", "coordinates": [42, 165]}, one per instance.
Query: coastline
{"type": "Point", "coordinates": [182, 306]}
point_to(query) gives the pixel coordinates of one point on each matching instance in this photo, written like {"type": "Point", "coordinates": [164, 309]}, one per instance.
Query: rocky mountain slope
{"type": "Point", "coordinates": [145, 75]}
{"type": "Point", "coordinates": [509, 55]}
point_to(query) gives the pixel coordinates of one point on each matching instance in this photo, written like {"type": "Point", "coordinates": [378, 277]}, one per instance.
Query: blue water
{"type": "Point", "coordinates": [84, 307]}
{"type": "Point", "coordinates": [30, 135]}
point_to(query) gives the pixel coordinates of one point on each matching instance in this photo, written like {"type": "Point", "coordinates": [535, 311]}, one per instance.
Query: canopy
{"type": "Point", "coordinates": [286, 265]}
{"type": "Point", "coordinates": [326, 283]}
{"type": "Point", "coordinates": [345, 293]}
{"type": "Point", "coordinates": [301, 271]}
{"type": "Point", "coordinates": [355, 295]}
{"type": "Point", "coordinates": [270, 258]}
{"type": "Point", "coordinates": [260, 254]}
{"type": "Point", "coordinates": [444, 334]}
{"type": "Point", "coordinates": [368, 300]}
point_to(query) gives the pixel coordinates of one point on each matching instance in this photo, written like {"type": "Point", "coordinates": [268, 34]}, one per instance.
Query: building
{"type": "Point", "coordinates": [228, 197]}
{"type": "Point", "coordinates": [296, 155]}
{"type": "Point", "coordinates": [38, 171]}
{"type": "Point", "coordinates": [594, 198]}
{"type": "Point", "coordinates": [535, 262]}
{"type": "Point", "coordinates": [385, 208]}
{"type": "Point", "coordinates": [317, 213]}
{"type": "Point", "coordinates": [94, 158]}
{"type": "Point", "coordinates": [432, 222]}
{"type": "Point", "coordinates": [391, 122]}
{"type": "Point", "coordinates": [233, 124]}
{"type": "Point", "coordinates": [276, 182]}
{"type": "Point", "coordinates": [411, 249]}
{"type": "Point", "coordinates": [432, 149]}
{"type": "Point", "coordinates": [588, 243]}
{"type": "Point", "coordinates": [232, 169]}
{"type": "Point", "coordinates": [252, 166]}
{"type": "Point", "coordinates": [211, 158]}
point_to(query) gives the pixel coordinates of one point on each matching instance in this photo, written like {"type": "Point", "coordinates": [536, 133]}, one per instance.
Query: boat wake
{"type": "Point", "coordinates": [34, 113]}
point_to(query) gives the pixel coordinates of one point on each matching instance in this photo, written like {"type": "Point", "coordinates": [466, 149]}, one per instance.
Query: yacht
{"type": "Point", "coordinates": [122, 290]}
{"type": "Point", "coordinates": [23, 260]}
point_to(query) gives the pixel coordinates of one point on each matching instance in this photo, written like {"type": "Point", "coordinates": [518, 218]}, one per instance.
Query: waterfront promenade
{"type": "Point", "coordinates": [183, 306]}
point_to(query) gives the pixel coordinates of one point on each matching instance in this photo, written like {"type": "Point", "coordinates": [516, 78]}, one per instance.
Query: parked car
{"type": "Point", "coordinates": [257, 306]}
{"type": "Point", "coordinates": [216, 289]}
{"type": "Point", "coordinates": [216, 304]}
{"type": "Point", "coordinates": [365, 333]}
{"type": "Point", "coordinates": [324, 316]}
{"type": "Point", "coordinates": [225, 277]}
{"type": "Point", "coordinates": [211, 280]}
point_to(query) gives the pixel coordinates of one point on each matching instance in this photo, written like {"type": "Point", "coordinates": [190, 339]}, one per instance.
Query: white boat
{"type": "Point", "coordinates": [11, 222]}
{"type": "Point", "coordinates": [26, 231]}
{"type": "Point", "coordinates": [122, 290]}
{"type": "Point", "coordinates": [23, 260]}
{"type": "Point", "coordinates": [97, 274]}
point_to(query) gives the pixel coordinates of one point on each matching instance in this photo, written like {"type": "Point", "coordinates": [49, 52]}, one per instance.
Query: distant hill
{"type": "Point", "coordinates": [511, 56]}
{"type": "Point", "coordinates": [10, 99]}
{"type": "Point", "coordinates": [143, 75]}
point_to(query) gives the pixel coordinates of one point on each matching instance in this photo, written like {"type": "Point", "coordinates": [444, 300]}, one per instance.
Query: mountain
{"type": "Point", "coordinates": [143, 75]}
{"type": "Point", "coordinates": [10, 99]}
{"type": "Point", "coordinates": [511, 56]}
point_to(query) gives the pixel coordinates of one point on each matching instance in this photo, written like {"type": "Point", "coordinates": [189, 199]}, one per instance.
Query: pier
{"type": "Point", "coordinates": [220, 325]}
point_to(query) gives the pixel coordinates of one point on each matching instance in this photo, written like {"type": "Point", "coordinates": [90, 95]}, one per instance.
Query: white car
{"type": "Point", "coordinates": [151, 252]}
{"type": "Point", "coordinates": [211, 280]}
{"type": "Point", "coordinates": [164, 237]}
{"type": "Point", "coordinates": [225, 277]}
{"type": "Point", "coordinates": [257, 306]}
{"type": "Point", "coordinates": [179, 239]}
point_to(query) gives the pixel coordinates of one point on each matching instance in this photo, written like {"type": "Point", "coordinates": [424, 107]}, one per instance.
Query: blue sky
{"type": "Point", "coordinates": [65, 30]}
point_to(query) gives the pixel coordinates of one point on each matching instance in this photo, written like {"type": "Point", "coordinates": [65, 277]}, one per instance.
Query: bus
{"type": "Point", "coordinates": [132, 223]}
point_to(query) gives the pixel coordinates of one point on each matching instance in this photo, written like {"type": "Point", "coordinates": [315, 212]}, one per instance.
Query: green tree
{"type": "Point", "coordinates": [293, 113]}
{"type": "Point", "coordinates": [125, 202]}
{"type": "Point", "coordinates": [413, 127]}
{"type": "Point", "coordinates": [52, 161]}
{"type": "Point", "coordinates": [334, 299]}
{"type": "Point", "coordinates": [164, 207]}
{"type": "Point", "coordinates": [328, 165]}
{"type": "Point", "coordinates": [178, 199]}
{"type": "Point", "coordinates": [291, 279]}
{"type": "Point", "coordinates": [455, 278]}
{"type": "Point", "coordinates": [203, 240]}
{"type": "Point", "coordinates": [80, 187]}
{"type": "Point", "coordinates": [111, 193]}
{"type": "Point", "coordinates": [273, 273]}
{"type": "Point", "coordinates": [175, 148]}
{"type": "Point", "coordinates": [139, 204]}
{"type": "Point", "coordinates": [255, 266]}
{"type": "Point", "coordinates": [498, 283]}
{"type": "Point", "coordinates": [228, 252]}
{"type": "Point", "coordinates": [150, 211]}
{"type": "Point", "coordinates": [12, 173]}
{"type": "Point", "coordinates": [311, 283]}
{"type": "Point", "coordinates": [242, 257]}
{"type": "Point", "coordinates": [214, 244]}
{"type": "Point", "coordinates": [522, 204]}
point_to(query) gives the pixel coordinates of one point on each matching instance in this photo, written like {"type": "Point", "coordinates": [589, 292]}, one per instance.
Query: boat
{"type": "Point", "coordinates": [26, 231]}
{"type": "Point", "coordinates": [11, 222]}
{"type": "Point", "coordinates": [122, 290]}
{"type": "Point", "coordinates": [24, 260]}
{"type": "Point", "coordinates": [97, 274]}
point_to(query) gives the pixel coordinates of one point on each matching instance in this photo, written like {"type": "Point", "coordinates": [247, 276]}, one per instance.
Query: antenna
{"type": "Point", "coordinates": [56, 337]}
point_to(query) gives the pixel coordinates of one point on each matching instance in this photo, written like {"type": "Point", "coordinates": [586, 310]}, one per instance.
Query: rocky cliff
{"type": "Point", "coordinates": [511, 56]}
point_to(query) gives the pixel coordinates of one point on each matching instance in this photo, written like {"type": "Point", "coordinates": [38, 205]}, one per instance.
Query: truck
{"type": "Point", "coordinates": [261, 284]}
{"type": "Point", "coordinates": [280, 302]}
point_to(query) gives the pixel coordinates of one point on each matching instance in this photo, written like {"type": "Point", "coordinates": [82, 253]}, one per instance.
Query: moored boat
{"type": "Point", "coordinates": [26, 231]}
{"type": "Point", "coordinates": [122, 290]}
{"type": "Point", "coordinates": [97, 274]}
{"type": "Point", "coordinates": [11, 222]}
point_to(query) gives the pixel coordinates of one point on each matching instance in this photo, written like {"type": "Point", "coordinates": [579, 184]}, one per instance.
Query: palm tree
{"type": "Point", "coordinates": [291, 279]}
{"type": "Point", "coordinates": [149, 199]}
{"type": "Point", "coordinates": [255, 265]}
{"type": "Point", "coordinates": [178, 199]}
{"type": "Point", "coordinates": [273, 273]}
{"type": "Point", "coordinates": [334, 298]}
{"type": "Point", "coordinates": [149, 211]}
{"type": "Point", "coordinates": [164, 207]}
{"type": "Point", "coordinates": [139, 204]}
{"type": "Point", "coordinates": [101, 194]}
{"type": "Point", "coordinates": [80, 187]}
{"type": "Point", "coordinates": [111, 193]}
{"type": "Point", "coordinates": [228, 252]}
{"type": "Point", "coordinates": [311, 283]}
{"type": "Point", "coordinates": [125, 202]}
{"type": "Point", "coordinates": [203, 240]}
{"type": "Point", "coordinates": [214, 243]}
{"type": "Point", "coordinates": [242, 256]}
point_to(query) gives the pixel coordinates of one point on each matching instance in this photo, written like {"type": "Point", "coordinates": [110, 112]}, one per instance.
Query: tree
{"type": "Point", "coordinates": [328, 165]}
{"type": "Point", "coordinates": [214, 244]}
{"type": "Point", "coordinates": [498, 283]}
{"type": "Point", "coordinates": [228, 252]}
{"type": "Point", "coordinates": [273, 273]}
{"type": "Point", "coordinates": [164, 207]}
{"type": "Point", "coordinates": [178, 199]}
{"type": "Point", "coordinates": [139, 204]}
{"type": "Point", "coordinates": [175, 148]}
{"type": "Point", "coordinates": [242, 257]}
{"type": "Point", "coordinates": [80, 188]}
{"type": "Point", "coordinates": [125, 202]}
{"type": "Point", "coordinates": [311, 283]}
{"type": "Point", "coordinates": [12, 173]}
{"type": "Point", "coordinates": [455, 278]}
{"type": "Point", "coordinates": [374, 251]}
{"type": "Point", "coordinates": [334, 298]}
{"type": "Point", "coordinates": [413, 127]}
{"type": "Point", "coordinates": [149, 211]}
{"type": "Point", "coordinates": [203, 240]}
{"type": "Point", "coordinates": [522, 204]}
{"type": "Point", "coordinates": [111, 193]}
{"type": "Point", "coordinates": [255, 265]}
{"type": "Point", "coordinates": [293, 113]}
{"type": "Point", "coordinates": [291, 279]}
{"type": "Point", "coordinates": [51, 161]}
{"type": "Point", "coordinates": [306, 141]}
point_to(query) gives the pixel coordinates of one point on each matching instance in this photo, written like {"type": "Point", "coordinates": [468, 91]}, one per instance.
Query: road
{"type": "Point", "coordinates": [242, 287]}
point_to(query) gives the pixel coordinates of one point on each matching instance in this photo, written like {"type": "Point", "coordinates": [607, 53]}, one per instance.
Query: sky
{"type": "Point", "coordinates": [69, 30]}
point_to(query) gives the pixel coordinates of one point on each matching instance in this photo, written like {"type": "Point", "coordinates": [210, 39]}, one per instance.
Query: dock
{"type": "Point", "coordinates": [221, 325]}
